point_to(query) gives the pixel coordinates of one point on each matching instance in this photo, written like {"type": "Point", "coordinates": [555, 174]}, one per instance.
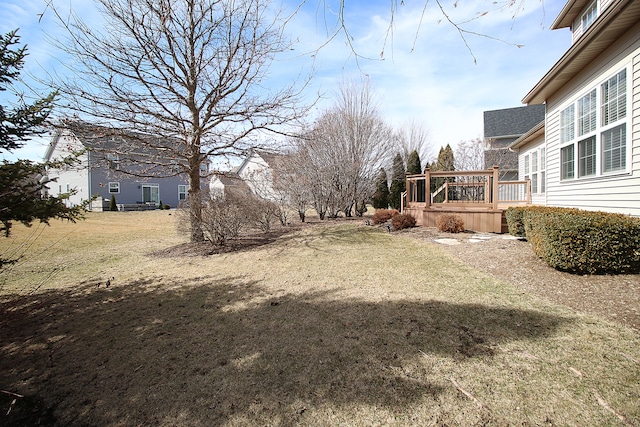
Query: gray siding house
{"type": "Point", "coordinates": [106, 168]}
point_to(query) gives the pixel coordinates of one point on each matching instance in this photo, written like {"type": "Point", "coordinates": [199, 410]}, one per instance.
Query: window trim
{"type": "Point", "coordinates": [589, 16]}
{"type": "Point", "coordinates": [185, 192]}
{"type": "Point", "coordinates": [593, 165]}
{"type": "Point", "coordinates": [117, 185]}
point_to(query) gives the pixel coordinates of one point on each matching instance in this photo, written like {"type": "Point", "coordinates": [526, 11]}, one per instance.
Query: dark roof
{"type": "Point", "coordinates": [512, 121]}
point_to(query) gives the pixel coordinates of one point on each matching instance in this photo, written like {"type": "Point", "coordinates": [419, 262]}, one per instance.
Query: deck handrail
{"type": "Point", "coordinates": [489, 191]}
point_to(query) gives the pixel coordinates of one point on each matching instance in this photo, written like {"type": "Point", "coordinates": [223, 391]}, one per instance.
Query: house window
{"type": "Point", "coordinates": [150, 193]}
{"type": "Point", "coordinates": [526, 166]}
{"type": "Point", "coordinates": [543, 170]}
{"type": "Point", "coordinates": [589, 16]}
{"type": "Point", "coordinates": [567, 161]}
{"type": "Point", "coordinates": [114, 161]}
{"type": "Point", "coordinates": [567, 124]}
{"type": "Point", "coordinates": [614, 149]}
{"type": "Point", "coordinates": [601, 144]}
{"type": "Point", "coordinates": [587, 113]}
{"type": "Point", "coordinates": [587, 157]}
{"type": "Point", "coordinates": [114, 187]}
{"type": "Point", "coordinates": [614, 98]}
{"type": "Point", "coordinates": [534, 172]}
{"type": "Point", "coordinates": [182, 192]}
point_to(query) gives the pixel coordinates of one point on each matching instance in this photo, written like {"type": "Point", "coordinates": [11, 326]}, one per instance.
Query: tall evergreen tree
{"type": "Point", "coordinates": [445, 160]}
{"type": "Point", "coordinates": [21, 182]}
{"type": "Point", "coordinates": [414, 165]}
{"type": "Point", "coordinates": [380, 198]}
{"type": "Point", "coordinates": [398, 182]}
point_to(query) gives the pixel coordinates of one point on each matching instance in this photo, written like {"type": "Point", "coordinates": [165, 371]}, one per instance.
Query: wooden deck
{"type": "Point", "coordinates": [478, 197]}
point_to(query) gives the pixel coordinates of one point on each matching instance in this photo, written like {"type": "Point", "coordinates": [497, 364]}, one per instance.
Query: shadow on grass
{"type": "Point", "coordinates": [211, 350]}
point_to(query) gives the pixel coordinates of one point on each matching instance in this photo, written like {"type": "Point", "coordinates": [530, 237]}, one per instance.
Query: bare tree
{"type": "Point", "coordinates": [469, 155]}
{"type": "Point", "coordinates": [337, 22]}
{"type": "Point", "coordinates": [187, 74]}
{"type": "Point", "coordinates": [355, 141]}
{"type": "Point", "coordinates": [412, 135]}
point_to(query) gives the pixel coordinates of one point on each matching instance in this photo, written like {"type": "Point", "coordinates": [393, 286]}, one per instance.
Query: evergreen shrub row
{"type": "Point", "coordinates": [578, 241]}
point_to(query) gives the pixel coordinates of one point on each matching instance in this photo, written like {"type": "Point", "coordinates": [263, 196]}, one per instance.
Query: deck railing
{"type": "Point", "coordinates": [464, 189]}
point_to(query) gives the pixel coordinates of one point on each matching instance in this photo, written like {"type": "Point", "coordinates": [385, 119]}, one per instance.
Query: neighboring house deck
{"type": "Point", "coordinates": [478, 197]}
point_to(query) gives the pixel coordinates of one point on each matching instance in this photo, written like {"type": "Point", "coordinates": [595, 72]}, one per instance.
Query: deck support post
{"type": "Point", "coordinates": [494, 193]}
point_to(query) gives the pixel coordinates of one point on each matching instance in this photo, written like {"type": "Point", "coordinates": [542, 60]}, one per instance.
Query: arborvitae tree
{"type": "Point", "coordinates": [398, 182]}
{"type": "Point", "coordinates": [22, 188]}
{"type": "Point", "coordinates": [445, 159]}
{"type": "Point", "coordinates": [113, 206]}
{"type": "Point", "coordinates": [445, 162]}
{"type": "Point", "coordinates": [381, 196]}
{"type": "Point", "coordinates": [414, 165]}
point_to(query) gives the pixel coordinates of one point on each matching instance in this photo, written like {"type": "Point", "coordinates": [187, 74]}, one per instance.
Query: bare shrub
{"type": "Point", "coordinates": [450, 223]}
{"type": "Point", "coordinates": [223, 218]}
{"type": "Point", "coordinates": [381, 216]}
{"type": "Point", "coordinates": [261, 212]}
{"type": "Point", "coordinates": [401, 221]}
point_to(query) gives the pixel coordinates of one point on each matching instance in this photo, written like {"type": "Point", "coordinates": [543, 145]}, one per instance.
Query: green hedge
{"type": "Point", "coordinates": [578, 241]}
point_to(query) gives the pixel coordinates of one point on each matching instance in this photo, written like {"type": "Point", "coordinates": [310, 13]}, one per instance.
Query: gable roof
{"type": "Point", "coordinates": [512, 122]}
{"type": "Point", "coordinates": [618, 18]}
{"type": "Point", "coordinates": [535, 132]}
{"type": "Point", "coordinates": [269, 157]}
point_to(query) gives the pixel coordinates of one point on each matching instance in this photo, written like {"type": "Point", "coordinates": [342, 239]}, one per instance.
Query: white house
{"type": "Point", "coordinates": [586, 153]}
{"type": "Point", "coordinates": [254, 174]}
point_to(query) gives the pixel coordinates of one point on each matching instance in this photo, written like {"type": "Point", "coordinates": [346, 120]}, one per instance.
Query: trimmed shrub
{"type": "Point", "coordinates": [450, 223]}
{"type": "Point", "coordinates": [584, 242]}
{"type": "Point", "coordinates": [401, 221]}
{"type": "Point", "coordinates": [515, 222]}
{"type": "Point", "coordinates": [381, 216]}
{"type": "Point", "coordinates": [113, 206]}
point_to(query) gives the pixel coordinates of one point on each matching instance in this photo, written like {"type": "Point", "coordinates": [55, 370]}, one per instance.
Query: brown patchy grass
{"type": "Point", "coordinates": [327, 325]}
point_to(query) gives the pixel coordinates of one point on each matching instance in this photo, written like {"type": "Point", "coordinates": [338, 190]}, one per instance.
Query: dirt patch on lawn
{"type": "Point", "coordinates": [614, 297]}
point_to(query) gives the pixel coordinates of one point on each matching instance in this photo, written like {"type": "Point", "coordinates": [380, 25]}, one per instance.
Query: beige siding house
{"type": "Point", "coordinates": [586, 154]}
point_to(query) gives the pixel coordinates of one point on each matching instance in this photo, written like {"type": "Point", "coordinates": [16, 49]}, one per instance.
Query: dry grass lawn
{"type": "Point", "coordinates": [328, 325]}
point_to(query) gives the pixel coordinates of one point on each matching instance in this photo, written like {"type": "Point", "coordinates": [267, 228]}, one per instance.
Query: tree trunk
{"type": "Point", "coordinates": [195, 200]}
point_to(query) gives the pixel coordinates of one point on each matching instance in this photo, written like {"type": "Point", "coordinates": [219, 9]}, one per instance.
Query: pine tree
{"type": "Point", "coordinates": [381, 196]}
{"type": "Point", "coordinates": [445, 162]}
{"type": "Point", "coordinates": [398, 182]}
{"type": "Point", "coordinates": [22, 188]}
{"type": "Point", "coordinates": [414, 165]}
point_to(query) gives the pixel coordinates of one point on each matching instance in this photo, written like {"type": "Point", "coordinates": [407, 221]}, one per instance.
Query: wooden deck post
{"type": "Point", "coordinates": [495, 195]}
{"type": "Point", "coordinates": [427, 187]}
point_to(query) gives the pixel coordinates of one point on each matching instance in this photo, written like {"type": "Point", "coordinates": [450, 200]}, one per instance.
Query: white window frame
{"type": "Point", "coordinates": [589, 16]}
{"type": "Point", "coordinates": [534, 171]}
{"type": "Point", "coordinates": [543, 170]}
{"type": "Point", "coordinates": [182, 190]}
{"type": "Point", "coordinates": [601, 117]}
{"type": "Point", "coordinates": [115, 185]}
{"type": "Point", "coordinates": [151, 187]}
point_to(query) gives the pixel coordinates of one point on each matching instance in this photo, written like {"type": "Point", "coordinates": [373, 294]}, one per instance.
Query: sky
{"type": "Point", "coordinates": [428, 73]}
